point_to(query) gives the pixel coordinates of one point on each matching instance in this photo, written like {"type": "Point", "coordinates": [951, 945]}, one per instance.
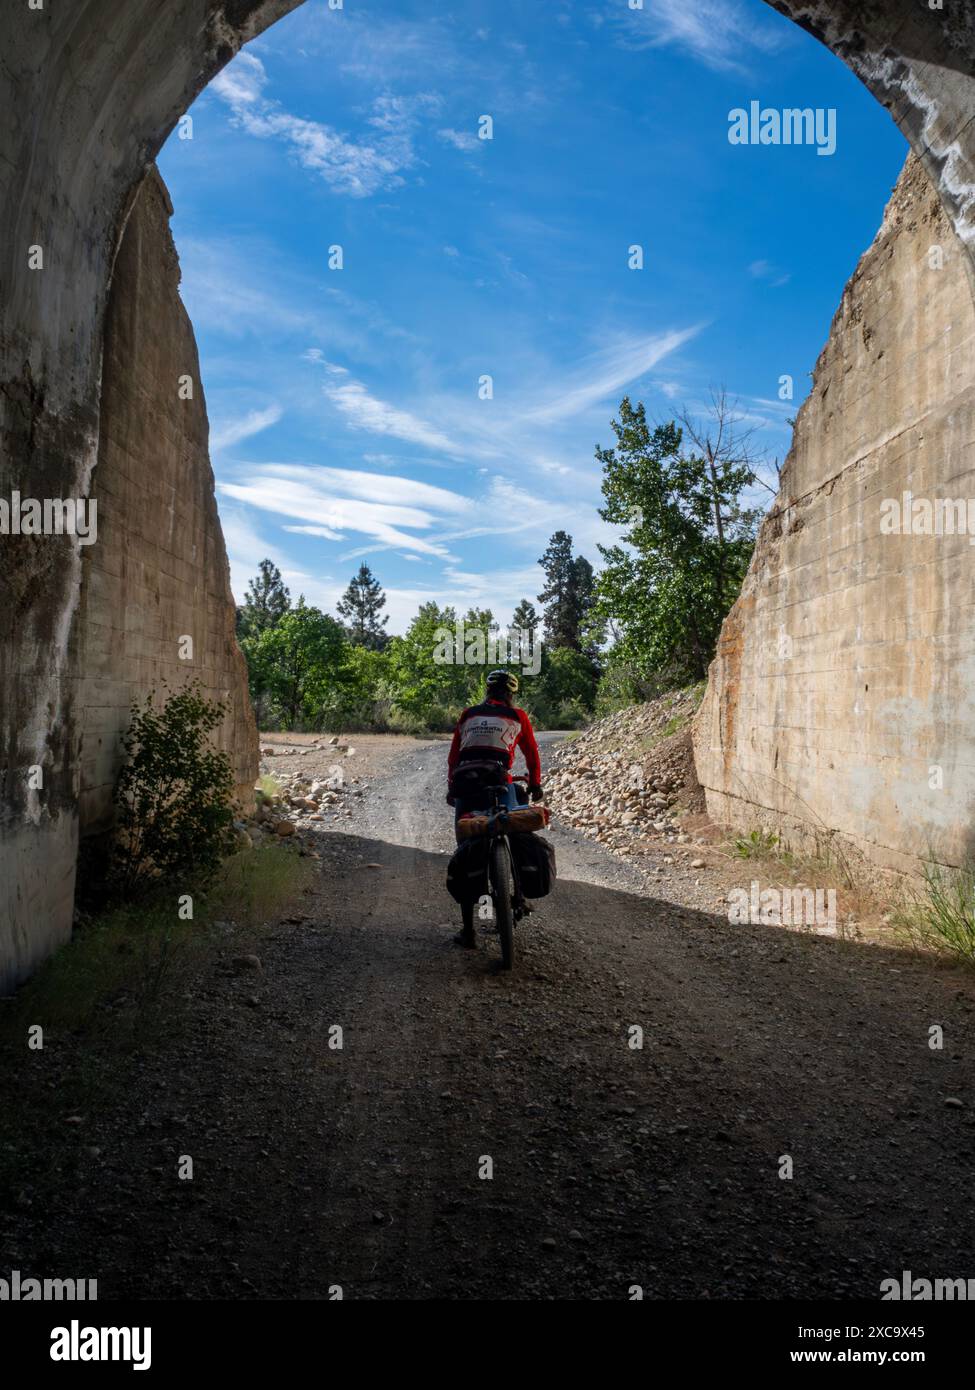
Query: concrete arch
{"type": "Point", "coordinates": [91, 90]}
{"type": "Point", "coordinates": [918, 60]}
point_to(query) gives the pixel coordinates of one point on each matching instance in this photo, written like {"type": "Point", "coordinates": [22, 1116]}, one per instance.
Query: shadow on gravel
{"type": "Point", "coordinates": [654, 1097]}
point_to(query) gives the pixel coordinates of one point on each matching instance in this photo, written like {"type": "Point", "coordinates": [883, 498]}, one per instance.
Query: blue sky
{"type": "Point", "coordinates": [346, 421]}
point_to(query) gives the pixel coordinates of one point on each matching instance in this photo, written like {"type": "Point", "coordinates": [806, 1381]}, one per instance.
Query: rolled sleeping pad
{"type": "Point", "coordinates": [522, 819]}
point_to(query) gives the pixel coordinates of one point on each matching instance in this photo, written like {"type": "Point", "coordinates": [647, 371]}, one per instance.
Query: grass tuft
{"type": "Point", "coordinates": [941, 915]}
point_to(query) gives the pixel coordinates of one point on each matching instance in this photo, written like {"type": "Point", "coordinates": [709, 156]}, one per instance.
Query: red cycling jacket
{"type": "Point", "coordinates": [494, 729]}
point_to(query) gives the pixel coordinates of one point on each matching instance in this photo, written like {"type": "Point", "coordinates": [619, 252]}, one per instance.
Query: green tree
{"type": "Point", "coordinates": [690, 543]}
{"type": "Point", "coordinates": [363, 696]}
{"type": "Point", "coordinates": [525, 619]}
{"type": "Point", "coordinates": [266, 602]}
{"type": "Point", "coordinates": [361, 606]}
{"type": "Point", "coordinates": [481, 653]}
{"type": "Point", "coordinates": [301, 663]}
{"type": "Point", "coordinates": [563, 694]}
{"type": "Point", "coordinates": [428, 681]}
{"type": "Point", "coordinates": [568, 593]}
{"type": "Point", "coordinates": [581, 598]}
{"type": "Point", "coordinates": [257, 656]}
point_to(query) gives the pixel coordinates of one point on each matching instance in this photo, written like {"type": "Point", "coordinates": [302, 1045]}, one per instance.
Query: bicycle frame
{"type": "Point", "coordinates": [497, 829]}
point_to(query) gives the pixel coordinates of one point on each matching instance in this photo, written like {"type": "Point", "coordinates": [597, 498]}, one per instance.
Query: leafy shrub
{"type": "Point", "coordinates": [359, 695]}
{"type": "Point", "coordinates": [622, 685]}
{"type": "Point", "coordinates": [174, 796]}
{"type": "Point", "coordinates": [756, 844]}
{"type": "Point", "coordinates": [570, 714]}
{"type": "Point", "coordinates": [437, 719]}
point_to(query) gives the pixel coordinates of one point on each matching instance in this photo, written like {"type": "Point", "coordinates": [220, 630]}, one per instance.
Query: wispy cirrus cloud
{"type": "Point", "coordinates": [603, 373]}
{"type": "Point", "coordinates": [719, 33]}
{"type": "Point", "coordinates": [503, 431]}
{"type": "Point", "coordinates": [500, 589]}
{"type": "Point", "coordinates": [764, 270]}
{"type": "Point", "coordinates": [464, 140]}
{"type": "Point", "coordinates": [364, 411]}
{"type": "Point", "coordinates": [331, 502]}
{"type": "Point", "coordinates": [246, 545]}
{"type": "Point", "coordinates": [357, 168]}
{"type": "Point", "coordinates": [237, 286]}
{"type": "Point", "coordinates": [234, 431]}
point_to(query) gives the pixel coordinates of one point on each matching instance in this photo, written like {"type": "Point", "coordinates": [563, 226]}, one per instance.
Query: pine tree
{"type": "Point", "coordinates": [525, 619]}
{"type": "Point", "coordinates": [360, 607]}
{"type": "Point", "coordinates": [568, 593]}
{"type": "Point", "coordinates": [556, 564]}
{"type": "Point", "coordinates": [266, 603]}
{"type": "Point", "coordinates": [582, 591]}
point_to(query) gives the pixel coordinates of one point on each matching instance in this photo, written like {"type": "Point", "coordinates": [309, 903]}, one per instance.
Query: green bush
{"type": "Point", "coordinates": [174, 797]}
{"type": "Point", "coordinates": [569, 714]}
{"type": "Point", "coordinates": [561, 696]}
{"type": "Point", "coordinates": [756, 844]}
{"type": "Point", "coordinates": [437, 719]}
{"type": "Point", "coordinates": [622, 685]}
{"type": "Point", "coordinates": [359, 697]}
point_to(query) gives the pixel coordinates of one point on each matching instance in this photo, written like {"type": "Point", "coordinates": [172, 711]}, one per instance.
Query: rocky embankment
{"type": "Point", "coordinates": [628, 781]}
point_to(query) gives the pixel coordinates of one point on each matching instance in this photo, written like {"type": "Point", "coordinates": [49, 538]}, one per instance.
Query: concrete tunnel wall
{"type": "Point", "coordinates": [839, 709]}
{"type": "Point", "coordinates": [841, 701]}
{"type": "Point", "coordinates": [72, 156]}
{"type": "Point", "coordinates": [158, 573]}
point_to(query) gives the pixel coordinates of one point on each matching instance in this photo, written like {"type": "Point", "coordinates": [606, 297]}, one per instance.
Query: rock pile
{"type": "Point", "coordinates": [624, 779]}
{"type": "Point", "coordinates": [301, 801]}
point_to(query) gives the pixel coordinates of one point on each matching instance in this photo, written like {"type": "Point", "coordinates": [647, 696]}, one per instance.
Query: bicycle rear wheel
{"type": "Point", "coordinates": [502, 888]}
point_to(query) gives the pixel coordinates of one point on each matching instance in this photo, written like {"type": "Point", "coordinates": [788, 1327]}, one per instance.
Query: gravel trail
{"type": "Point", "coordinates": [610, 1165]}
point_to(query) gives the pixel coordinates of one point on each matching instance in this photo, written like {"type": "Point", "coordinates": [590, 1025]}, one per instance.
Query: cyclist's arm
{"type": "Point", "coordinates": [529, 748]}
{"type": "Point", "coordinates": [454, 753]}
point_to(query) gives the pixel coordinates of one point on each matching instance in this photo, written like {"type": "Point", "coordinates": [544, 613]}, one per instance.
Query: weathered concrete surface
{"type": "Point", "coordinates": [89, 92]}
{"type": "Point", "coordinates": [159, 572]}
{"type": "Point", "coordinates": [845, 673]}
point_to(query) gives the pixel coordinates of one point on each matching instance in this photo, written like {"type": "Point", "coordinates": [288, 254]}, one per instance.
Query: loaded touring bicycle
{"type": "Point", "coordinates": [500, 863]}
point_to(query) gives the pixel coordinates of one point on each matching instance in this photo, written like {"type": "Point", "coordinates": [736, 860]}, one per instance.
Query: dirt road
{"type": "Point", "coordinates": [365, 1167]}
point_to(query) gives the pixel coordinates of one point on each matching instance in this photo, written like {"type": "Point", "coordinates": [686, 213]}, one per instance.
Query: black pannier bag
{"type": "Point", "coordinates": [467, 872]}
{"type": "Point", "coordinates": [535, 862]}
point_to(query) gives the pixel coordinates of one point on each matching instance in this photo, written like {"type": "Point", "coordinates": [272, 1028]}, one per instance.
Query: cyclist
{"type": "Point", "coordinates": [486, 738]}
